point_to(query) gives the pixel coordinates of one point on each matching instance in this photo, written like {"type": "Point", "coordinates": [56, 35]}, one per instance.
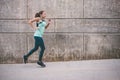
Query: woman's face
{"type": "Point", "coordinates": [43, 14]}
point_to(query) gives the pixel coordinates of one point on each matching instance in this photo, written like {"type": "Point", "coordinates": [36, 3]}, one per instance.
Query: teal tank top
{"type": "Point", "coordinates": [41, 28]}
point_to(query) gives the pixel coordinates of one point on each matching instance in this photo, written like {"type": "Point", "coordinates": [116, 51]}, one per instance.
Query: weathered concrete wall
{"type": "Point", "coordinates": [80, 29]}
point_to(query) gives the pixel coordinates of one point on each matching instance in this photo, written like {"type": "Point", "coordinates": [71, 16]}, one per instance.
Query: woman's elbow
{"type": "Point", "coordinates": [29, 22]}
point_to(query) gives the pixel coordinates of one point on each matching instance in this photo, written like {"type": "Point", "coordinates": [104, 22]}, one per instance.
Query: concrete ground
{"type": "Point", "coordinates": [71, 70]}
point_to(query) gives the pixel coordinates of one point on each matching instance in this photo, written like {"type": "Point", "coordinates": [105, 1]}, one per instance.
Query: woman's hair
{"type": "Point", "coordinates": [38, 14]}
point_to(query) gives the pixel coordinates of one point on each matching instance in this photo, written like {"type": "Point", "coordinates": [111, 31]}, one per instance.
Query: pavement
{"type": "Point", "coordinates": [108, 69]}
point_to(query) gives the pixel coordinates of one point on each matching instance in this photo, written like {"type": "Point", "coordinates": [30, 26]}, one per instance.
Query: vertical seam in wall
{"type": "Point", "coordinates": [83, 8]}
{"type": "Point", "coordinates": [26, 33]}
{"type": "Point", "coordinates": [54, 25]}
{"type": "Point", "coordinates": [83, 45]}
{"type": "Point", "coordinates": [27, 9]}
{"type": "Point", "coordinates": [83, 35]}
{"type": "Point", "coordinates": [27, 41]}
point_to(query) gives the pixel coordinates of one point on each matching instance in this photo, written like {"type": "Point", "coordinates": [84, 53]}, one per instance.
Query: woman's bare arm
{"type": "Point", "coordinates": [33, 20]}
{"type": "Point", "coordinates": [49, 22]}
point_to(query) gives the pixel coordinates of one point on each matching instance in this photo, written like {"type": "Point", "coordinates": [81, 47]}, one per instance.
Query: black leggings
{"type": "Point", "coordinates": [38, 43]}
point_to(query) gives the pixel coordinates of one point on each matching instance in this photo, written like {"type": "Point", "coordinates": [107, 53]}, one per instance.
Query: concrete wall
{"type": "Point", "coordinates": [80, 29]}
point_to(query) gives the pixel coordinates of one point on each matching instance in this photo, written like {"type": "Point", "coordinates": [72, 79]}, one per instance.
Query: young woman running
{"type": "Point", "coordinates": [41, 25]}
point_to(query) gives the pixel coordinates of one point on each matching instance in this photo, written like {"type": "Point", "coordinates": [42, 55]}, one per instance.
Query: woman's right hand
{"type": "Point", "coordinates": [33, 20]}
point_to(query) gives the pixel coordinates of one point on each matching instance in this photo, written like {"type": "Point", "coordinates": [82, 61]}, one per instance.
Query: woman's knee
{"type": "Point", "coordinates": [35, 48]}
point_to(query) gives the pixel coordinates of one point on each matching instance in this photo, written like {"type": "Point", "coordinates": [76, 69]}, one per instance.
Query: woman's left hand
{"type": "Point", "coordinates": [49, 21]}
